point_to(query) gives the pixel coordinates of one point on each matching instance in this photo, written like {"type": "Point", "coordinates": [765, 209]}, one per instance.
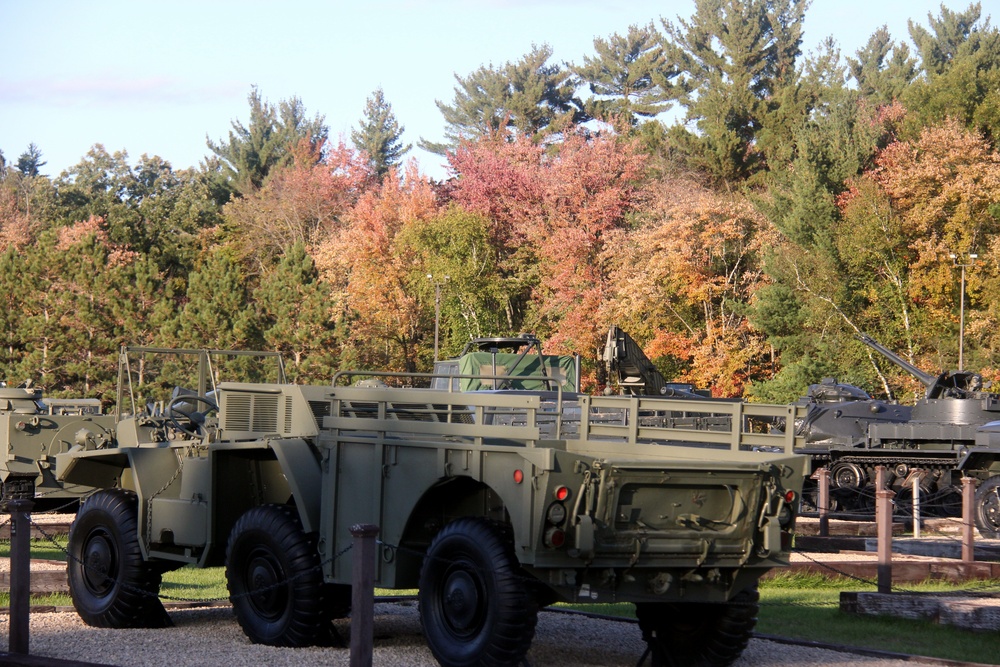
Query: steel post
{"type": "Point", "coordinates": [824, 501]}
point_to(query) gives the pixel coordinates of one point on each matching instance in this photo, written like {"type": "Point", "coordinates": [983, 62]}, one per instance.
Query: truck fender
{"type": "Point", "coordinates": [302, 470]}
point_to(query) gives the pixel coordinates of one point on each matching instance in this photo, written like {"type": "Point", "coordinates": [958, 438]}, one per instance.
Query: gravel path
{"type": "Point", "coordinates": [208, 637]}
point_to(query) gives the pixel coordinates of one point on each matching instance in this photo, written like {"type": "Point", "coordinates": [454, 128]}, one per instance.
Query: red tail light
{"type": "Point", "coordinates": [554, 538]}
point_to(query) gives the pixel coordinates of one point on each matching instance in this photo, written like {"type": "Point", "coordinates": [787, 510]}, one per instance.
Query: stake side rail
{"type": "Point", "coordinates": [730, 425]}
{"type": "Point", "coordinates": [481, 418]}
{"type": "Point", "coordinates": [526, 418]}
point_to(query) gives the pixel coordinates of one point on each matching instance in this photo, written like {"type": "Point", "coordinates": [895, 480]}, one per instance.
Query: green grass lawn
{"type": "Point", "coordinates": [794, 606]}
{"type": "Point", "coordinates": [808, 607]}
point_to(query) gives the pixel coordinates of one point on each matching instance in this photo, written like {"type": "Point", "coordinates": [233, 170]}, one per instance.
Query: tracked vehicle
{"type": "Point", "coordinates": [950, 433]}
{"type": "Point", "coordinates": [492, 502]}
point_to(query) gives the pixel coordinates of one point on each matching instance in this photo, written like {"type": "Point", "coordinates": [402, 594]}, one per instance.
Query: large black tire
{"type": "Point", "coordinates": [274, 578]}
{"type": "Point", "coordinates": [988, 508]}
{"type": "Point", "coordinates": [698, 634]}
{"type": "Point", "coordinates": [110, 583]}
{"type": "Point", "coordinates": [476, 606]}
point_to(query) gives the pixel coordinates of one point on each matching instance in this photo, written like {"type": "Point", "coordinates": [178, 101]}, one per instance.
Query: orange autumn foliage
{"type": "Point", "coordinates": [679, 275]}
{"type": "Point", "coordinates": [370, 272]}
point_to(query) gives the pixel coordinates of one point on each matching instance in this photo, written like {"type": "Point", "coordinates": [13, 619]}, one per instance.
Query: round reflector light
{"type": "Point", "coordinates": [555, 538]}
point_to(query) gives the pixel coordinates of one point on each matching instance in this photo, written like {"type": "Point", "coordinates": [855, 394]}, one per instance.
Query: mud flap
{"type": "Point", "coordinates": [585, 536]}
{"type": "Point", "coordinates": [771, 531]}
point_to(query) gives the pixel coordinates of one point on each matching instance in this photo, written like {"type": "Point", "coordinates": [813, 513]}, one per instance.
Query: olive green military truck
{"type": "Point", "coordinates": [492, 502]}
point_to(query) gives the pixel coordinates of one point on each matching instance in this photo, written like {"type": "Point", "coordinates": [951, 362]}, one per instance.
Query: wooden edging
{"type": "Point", "coordinates": [902, 571]}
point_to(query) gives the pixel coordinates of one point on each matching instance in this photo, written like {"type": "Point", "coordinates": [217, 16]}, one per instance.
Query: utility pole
{"type": "Point", "coordinates": [437, 308]}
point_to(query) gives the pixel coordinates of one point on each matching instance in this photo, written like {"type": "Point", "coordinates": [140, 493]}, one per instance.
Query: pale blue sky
{"type": "Point", "coordinates": [157, 77]}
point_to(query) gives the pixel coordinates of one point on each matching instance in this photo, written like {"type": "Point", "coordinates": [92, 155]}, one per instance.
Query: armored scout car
{"type": "Point", "coordinates": [492, 502]}
{"type": "Point", "coordinates": [33, 430]}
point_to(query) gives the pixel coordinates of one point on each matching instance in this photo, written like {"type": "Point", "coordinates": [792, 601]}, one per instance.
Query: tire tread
{"type": "Point", "coordinates": [279, 527]}
{"type": "Point", "coordinates": [134, 601]}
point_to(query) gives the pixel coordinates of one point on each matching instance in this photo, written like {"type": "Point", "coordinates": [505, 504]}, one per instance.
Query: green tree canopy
{"type": "Point", "coordinates": [16, 292]}
{"type": "Point", "coordinates": [813, 285]}
{"type": "Point", "coordinates": [952, 35]}
{"type": "Point", "coordinates": [295, 313]}
{"type": "Point", "coordinates": [149, 208]}
{"type": "Point", "coordinates": [474, 298]}
{"type": "Point", "coordinates": [736, 75]}
{"type": "Point", "coordinates": [960, 59]}
{"type": "Point", "coordinates": [530, 96]}
{"type": "Point", "coordinates": [626, 76]}
{"type": "Point", "coordinates": [30, 161]}
{"type": "Point", "coordinates": [883, 68]}
{"type": "Point", "coordinates": [378, 135]}
{"type": "Point", "coordinates": [215, 312]}
{"type": "Point", "coordinates": [253, 150]}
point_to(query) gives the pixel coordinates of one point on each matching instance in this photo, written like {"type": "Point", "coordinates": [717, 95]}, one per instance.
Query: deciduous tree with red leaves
{"type": "Point", "coordinates": [551, 212]}
{"type": "Point", "coordinates": [301, 203]}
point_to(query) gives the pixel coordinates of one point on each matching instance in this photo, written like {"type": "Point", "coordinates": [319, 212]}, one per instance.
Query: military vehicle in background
{"type": "Point", "coordinates": [494, 497]}
{"type": "Point", "coordinates": [33, 430]}
{"type": "Point", "coordinates": [512, 363]}
{"type": "Point", "coordinates": [948, 434]}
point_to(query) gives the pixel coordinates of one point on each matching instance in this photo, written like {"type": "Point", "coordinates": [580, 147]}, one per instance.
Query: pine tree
{"type": "Point", "coordinates": [139, 301]}
{"type": "Point", "coordinates": [252, 151]}
{"type": "Point", "coordinates": [16, 290]}
{"type": "Point", "coordinates": [65, 326]}
{"type": "Point", "coordinates": [216, 314]}
{"type": "Point", "coordinates": [803, 311]}
{"type": "Point", "coordinates": [294, 307]}
{"type": "Point", "coordinates": [951, 35]}
{"type": "Point", "coordinates": [626, 76]}
{"type": "Point", "coordinates": [30, 161]}
{"type": "Point", "coordinates": [883, 68]}
{"type": "Point", "coordinates": [960, 60]}
{"type": "Point", "coordinates": [378, 135]}
{"type": "Point", "coordinates": [530, 96]}
{"type": "Point", "coordinates": [736, 75]}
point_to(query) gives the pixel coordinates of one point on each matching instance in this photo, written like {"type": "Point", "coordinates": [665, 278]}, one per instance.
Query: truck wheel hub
{"type": "Point", "coordinates": [98, 560]}
{"type": "Point", "coordinates": [263, 579]}
{"type": "Point", "coordinates": [461, 600]}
